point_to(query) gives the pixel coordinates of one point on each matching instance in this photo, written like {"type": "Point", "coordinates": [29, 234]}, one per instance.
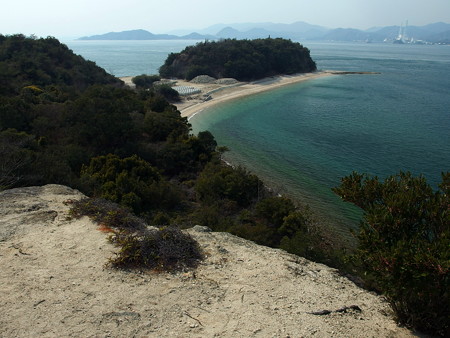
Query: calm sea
{"type": "Point", "coordinates": [128, 58]}
{"type": "Point", "coordinates": [303, 138]}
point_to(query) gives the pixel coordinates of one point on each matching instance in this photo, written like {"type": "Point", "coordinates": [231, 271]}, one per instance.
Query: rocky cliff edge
{"type": "Point", "coordinates": [54, 282]}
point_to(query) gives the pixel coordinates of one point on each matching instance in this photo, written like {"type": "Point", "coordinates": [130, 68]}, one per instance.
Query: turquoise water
{"type": "Point", "coordinates": [303, 138]}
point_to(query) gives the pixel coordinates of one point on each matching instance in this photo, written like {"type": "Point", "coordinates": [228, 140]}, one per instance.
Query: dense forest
{"type": "Point", "coordinates": [64, 120]}
{"type": "Point", "coordinates": [243, 60]}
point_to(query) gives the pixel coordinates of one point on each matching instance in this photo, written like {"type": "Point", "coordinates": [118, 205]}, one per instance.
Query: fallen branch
{"type": "Point", "coordinates": [342, 309]}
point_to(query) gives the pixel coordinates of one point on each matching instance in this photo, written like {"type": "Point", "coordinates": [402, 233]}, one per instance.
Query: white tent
{"type": "Point", "coordinates": [186, 90]}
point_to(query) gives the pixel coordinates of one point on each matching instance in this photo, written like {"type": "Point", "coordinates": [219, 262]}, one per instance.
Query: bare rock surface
{"type": "Point", "coordinates": [54, 282]}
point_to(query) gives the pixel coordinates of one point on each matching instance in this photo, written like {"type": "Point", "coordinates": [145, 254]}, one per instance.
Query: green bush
{"type": "Point", "coordinates": [160, 126]}
{"type": "Point", "coordinates": [168, 93]}
{"type": "Point", "coordinates": [404, 244]}
{"type": "Point", "coordinates": [218, 181]}
{"type": "Point", "coordinates": [105, 212]}
{"type": "Point", "coordinates": [275, 209]}
{"type": "Point", "coordinates": [17, 153]}
{"type": "Point", "coordinates": [145, 81]}
{"type": "Point", "coordinates": [220, 216]}
{"type": "Point", "coordinates": [131, 182]}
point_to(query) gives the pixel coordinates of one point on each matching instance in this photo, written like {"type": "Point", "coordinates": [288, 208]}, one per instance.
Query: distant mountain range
{"type": "Point", "coordinates": [140, 34]}
{"type": "Point", "coordinates": [298, 31]}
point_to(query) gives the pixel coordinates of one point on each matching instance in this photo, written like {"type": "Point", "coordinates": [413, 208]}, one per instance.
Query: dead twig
{"type": "Point", "coordinates": [187, 314]}
{"type": "Point", "coordinates": [342, 309]}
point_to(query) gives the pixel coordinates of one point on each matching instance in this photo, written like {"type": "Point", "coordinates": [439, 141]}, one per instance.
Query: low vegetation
{"type": "Point", "coordinates": [165, 249]}
{"type": "Point", "coordinates": [140, 247]}
{"type": "Point", "coordinates": [243, 60]}
{"type": "Point", "coordinates": [64, 120]}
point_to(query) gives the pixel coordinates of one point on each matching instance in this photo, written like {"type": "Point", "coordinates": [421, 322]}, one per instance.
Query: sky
{"type": "Point", "coordinates": [76, 18]}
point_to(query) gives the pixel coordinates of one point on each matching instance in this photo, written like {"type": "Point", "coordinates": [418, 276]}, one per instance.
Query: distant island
{"type": "Point", "coordinates": [140, 34]}
{"type": "Point", "coordinates": [435, 33]}
{"type": "Point", "coordinates": [244, 60]}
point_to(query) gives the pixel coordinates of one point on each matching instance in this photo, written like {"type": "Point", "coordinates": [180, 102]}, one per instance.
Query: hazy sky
{"type": "Point", "coordinates": [75, 18]}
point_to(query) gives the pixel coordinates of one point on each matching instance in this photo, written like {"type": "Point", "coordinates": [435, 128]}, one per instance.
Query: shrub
{"type": "Point", "coordinates": [404, 243]}
{"type": "Point", "coordinates": [17, 154]}
{"type": "Point", "coordinates": [145, 81]}
{"type": "Point", "coordinates": [166, 249]}
{"type": "Point", "coordinates": [275, 209]}
{"type": "Point", "coordinates": [168, 93]}
{"type": "Point", "coordinates": [219, 181]}
{"type": "Point", "coordinates": [131, 182]}
{"type": "Point", "coordinates": [107, 213]}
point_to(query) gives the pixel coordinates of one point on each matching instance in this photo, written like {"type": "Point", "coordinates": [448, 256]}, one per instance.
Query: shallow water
{"type": "Point", "coordinates": [303, 138]}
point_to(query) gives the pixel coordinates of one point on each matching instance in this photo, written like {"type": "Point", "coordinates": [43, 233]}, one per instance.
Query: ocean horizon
{"type": "Point", "coordinates": [303, 138]}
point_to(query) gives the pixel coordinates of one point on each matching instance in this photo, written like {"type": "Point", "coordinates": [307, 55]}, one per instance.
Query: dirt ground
{"type": "Point", "coordinates": [54, 282]}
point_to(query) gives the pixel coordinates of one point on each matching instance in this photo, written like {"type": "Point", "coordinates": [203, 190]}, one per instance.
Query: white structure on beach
{"type": "Point", "coordinates": [186, 90]}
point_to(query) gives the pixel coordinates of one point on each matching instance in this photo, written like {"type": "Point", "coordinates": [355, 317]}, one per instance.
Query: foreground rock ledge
{"type": "Point", "coordinates": [54, 283]}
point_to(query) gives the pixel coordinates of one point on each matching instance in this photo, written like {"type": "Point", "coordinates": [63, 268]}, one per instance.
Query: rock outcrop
{"type": "Point", "coordinates": [55, 282]}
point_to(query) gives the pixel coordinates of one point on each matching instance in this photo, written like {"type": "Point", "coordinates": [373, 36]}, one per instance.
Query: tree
{"type": "Point", "coordinates": [16, 155]}
{"type": "Point", "coordinates": [100, 119]}
{"type": "Point", "coordinates": [204, 146]}
{"type": "Point", "coordinates": [218, 181]}
{"type": "Point", "coordinates": [243, 59]}
{"type": "Point", "coordinates": [131, 182]}
{"type": "Point", "coordinates": [404, 243]}
{"type": "Point", "coordinates": [145, 81]}
{"type": "Point", "coordinates": [275, 210]}
{"type": "Point", "coordinates": [168, 93]}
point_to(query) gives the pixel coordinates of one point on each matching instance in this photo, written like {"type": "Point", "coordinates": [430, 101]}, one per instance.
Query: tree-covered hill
{"type": "Point", "coordinates": [64, 120]}
{"type": "Point", "coordinates": [244, 60]}
{"type": "Point", "coordinates": [58, 110]}
{"type": "Point", "coordinates": [28, 61]}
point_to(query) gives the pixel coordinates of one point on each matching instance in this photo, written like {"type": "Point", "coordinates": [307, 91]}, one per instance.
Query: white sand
{"type": "Point", "coordinates": [226, 93]}
{"type": "Point", "coordinates": [221, 93]}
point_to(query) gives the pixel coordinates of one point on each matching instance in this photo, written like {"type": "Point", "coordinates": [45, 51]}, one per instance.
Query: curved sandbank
{"type": "Point", "coordinates": [221, 93]}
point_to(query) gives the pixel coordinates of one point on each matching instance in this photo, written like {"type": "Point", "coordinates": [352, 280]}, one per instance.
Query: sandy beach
{"type": "Point", "coordinates": [219, 93]}
{"type": "Point", "coordinates": [222, 93]}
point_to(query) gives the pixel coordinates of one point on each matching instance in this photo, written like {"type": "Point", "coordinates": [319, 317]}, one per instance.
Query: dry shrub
{"type": "Point", "coordinates": [140, 246]}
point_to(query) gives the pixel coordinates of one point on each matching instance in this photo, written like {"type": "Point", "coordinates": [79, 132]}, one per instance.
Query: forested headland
{"type": "Point", "coordinates": [64, 120]}
{"type": "Point", "coordinates": [244, 60]}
